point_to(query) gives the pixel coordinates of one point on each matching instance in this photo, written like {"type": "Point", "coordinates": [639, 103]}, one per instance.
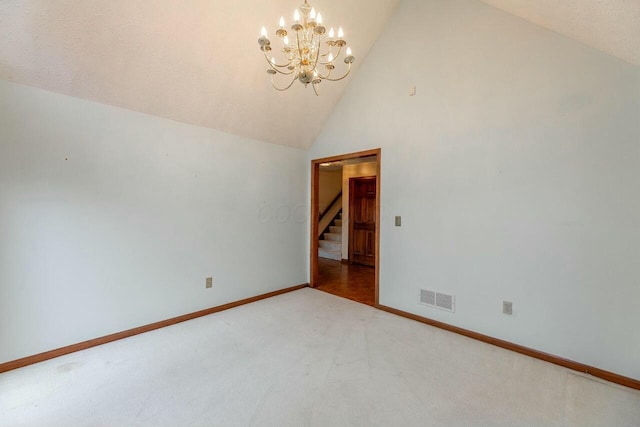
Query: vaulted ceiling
{"type": "Point", "coordinates": [198, 61]}
{"type": "Point", "coordinates": [612, 26]}
{"type": "Point", "coordinates": [195, 61]}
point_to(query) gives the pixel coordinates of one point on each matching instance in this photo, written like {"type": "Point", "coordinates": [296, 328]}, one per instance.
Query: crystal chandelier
{"type": "Point", "coordinates": [306, 58]}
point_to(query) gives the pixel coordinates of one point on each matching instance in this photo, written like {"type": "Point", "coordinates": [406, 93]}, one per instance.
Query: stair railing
{"type": "Point", "coordinates": [329, 215]}
{"type": "Point", "coordinates": [333, 202]}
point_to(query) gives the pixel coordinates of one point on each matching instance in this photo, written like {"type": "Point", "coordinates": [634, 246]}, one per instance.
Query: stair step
{"type": "Point", "coordinates": [334, 229]}
{"type": "Point", "coordinates": [337, 223]}
{"type": "Point", "coordinates": [331, 245]}
{"type": "Point", "coordinates": [324, 253]}
{"type": "Point", "coordinates": [333, 236]}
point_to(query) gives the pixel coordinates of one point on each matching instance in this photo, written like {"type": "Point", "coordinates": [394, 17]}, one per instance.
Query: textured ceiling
{"type": "Point", "coordinates": [612, 26]}
{"type": "Point", "coordinates": [198, 61]}
{"type": "Point", "coordinates": [195, 61]}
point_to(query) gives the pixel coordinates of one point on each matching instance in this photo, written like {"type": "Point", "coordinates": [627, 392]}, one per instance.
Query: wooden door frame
{"type": "Point", "coordinates": [315, 187]}
{"type": "Point", "coordinates": [351, 220]}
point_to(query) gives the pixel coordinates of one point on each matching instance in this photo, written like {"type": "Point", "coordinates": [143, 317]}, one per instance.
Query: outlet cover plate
{"type": "Point", "coordinates": [507, 307]}
{"type": "Point", "coordinates": [209, 282]}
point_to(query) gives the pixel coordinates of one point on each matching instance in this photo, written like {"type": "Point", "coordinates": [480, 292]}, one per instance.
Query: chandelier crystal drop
{"type": "Point", "coordinates": [309, 51]}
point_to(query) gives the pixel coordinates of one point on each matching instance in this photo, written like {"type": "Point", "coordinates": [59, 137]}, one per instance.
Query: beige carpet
{"type": "Point", "coordinates": [307, 359]}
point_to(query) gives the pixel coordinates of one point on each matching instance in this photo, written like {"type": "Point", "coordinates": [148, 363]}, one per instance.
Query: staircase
{"type": "Point", "coordinates": [330, 246]}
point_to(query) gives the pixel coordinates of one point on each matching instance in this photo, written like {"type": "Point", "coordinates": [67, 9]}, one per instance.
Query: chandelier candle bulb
{"type": "Point", "coordinates": [309, 54]}
{"type": "Point", "coordinates": [350, 58]}
{"type": "Point", "coordinates": [264, 41]}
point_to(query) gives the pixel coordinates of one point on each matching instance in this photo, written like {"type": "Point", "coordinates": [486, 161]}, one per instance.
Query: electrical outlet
{"type": "Point", "coordinates": [209, 283]}
{"type": "Point", "coordinates": [398, 221]}
{"type": "Point", "coordinates": [507, 307]}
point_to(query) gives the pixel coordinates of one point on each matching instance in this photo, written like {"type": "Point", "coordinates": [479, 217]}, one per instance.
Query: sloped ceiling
{"type": "Point", "coordinates": [198, 61]}
{"type": "Point", "coordinates": [612, 26]}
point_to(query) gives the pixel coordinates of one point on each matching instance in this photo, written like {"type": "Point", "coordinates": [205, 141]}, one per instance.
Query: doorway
{"type": "Point", "coordinates": [354, 271]}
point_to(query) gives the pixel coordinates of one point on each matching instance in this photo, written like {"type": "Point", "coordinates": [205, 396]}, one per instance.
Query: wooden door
{"type": "Point", "coordinates": [362, 220]}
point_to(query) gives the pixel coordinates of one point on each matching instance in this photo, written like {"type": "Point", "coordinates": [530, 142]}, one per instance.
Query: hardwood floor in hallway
{"type": "Point", "coordinates": [354, 282]}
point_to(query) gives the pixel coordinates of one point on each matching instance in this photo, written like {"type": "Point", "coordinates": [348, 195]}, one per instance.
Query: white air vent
{"type": "Point", "coordinates": [438, 300]}
{"type": "Point", "coordinates": [427, 297]}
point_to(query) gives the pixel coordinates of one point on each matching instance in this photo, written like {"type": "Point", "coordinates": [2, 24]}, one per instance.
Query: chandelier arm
{"type": "Point", "coordinates": [276, 69]}
{"type": "Point", "coordinates": [331, 49]}
{"type": "Point", "coordinates": [328, 62]}
{"type": "Point", "coordinates": [276, 65]}
{"type": "Point", "coordinates": [284, 88]}
{"type": "Point", "coordinates": [325, 77]}
{"type": "Point", "coordinates": [315, 89]}
{"type": "Point", "coordinates": [335, 56]}
{"type": "Point", "coordinates": [340, 78]}
{"type": "Point", "coordinates": [339, 52]}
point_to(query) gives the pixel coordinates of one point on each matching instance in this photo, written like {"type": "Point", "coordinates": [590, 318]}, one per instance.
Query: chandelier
{"type": "Point", "coordinates": [306, 58]}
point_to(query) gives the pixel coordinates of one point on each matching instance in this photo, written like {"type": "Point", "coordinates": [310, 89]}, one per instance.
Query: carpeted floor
{"type": "Point", "coordinates": [307, 358]}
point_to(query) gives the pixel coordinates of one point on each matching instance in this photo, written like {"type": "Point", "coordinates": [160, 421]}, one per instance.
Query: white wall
{"type": "Point", "coordinates": [111, 219]}
{"type": "Point", "coordinates": [516, 169]}
{"type": "Point", "coordinates": [348, 172]}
